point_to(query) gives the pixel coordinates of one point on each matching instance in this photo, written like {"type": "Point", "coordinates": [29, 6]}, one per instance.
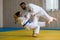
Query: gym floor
{"type": "Point", "coordinates": [27, 35]}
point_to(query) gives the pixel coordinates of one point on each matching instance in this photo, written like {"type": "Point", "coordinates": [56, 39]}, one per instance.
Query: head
{"type": "Point", "coordinates": [17, 14]}
{"type": "Point", "coordinates": [23, 5]}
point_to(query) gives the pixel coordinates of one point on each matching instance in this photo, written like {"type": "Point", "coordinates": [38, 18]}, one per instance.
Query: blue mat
{"type": "Point", "coordinates": [11, 29]}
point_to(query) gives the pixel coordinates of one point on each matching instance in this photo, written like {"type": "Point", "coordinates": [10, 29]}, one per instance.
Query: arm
{"type": "Point", "coordinates": [15, 18]}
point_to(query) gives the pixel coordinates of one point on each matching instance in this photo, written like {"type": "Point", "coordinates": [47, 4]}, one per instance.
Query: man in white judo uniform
{"type": "Point", "coordinates": [36, 12]}
{"type": "Point", "coordinates": [25, 22]}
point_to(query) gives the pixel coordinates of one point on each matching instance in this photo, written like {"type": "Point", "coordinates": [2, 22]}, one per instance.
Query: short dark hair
{"type": "Point", "coordinates": [22, 3]}
{"type": "Point", "coordinates": [17, 13]}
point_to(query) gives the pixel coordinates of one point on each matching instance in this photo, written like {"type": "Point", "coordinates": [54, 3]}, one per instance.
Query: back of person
{"type": "Point", "coordinates": [35, 8]}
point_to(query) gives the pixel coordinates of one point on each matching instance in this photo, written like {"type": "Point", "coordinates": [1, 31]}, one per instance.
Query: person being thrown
{"type": "Point", "coordinates": [25, 22]}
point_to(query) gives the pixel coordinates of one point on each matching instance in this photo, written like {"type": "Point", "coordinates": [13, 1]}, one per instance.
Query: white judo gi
{"type": "Point", "coordinates": [38, 12]}
{"type": "Point", "coordinates": [31, 25]}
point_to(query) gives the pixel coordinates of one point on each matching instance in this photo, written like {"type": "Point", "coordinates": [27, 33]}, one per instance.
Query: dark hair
{"type": "Point", "coordinates": [17, 13]}
{"type": "Point", "coordinates": [22, 3]}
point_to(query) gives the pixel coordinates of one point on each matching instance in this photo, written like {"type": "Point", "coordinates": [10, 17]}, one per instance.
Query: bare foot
{"type": "Point", "coordinates": [54, 19]}
{"type": "Point", "coordinates": [34, 35]}
{"type": "Point", "coordinates": [48, 22]}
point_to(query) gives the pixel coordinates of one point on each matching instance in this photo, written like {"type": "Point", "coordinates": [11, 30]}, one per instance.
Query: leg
{"type": "Point", "coordinates": [48, 18]}
{"type": "Point", "coordinates": [45, 16]}
{"type": "Point", "coordinates": [36, 31]}
{"type": "Point", "coordinates": [42, 24]}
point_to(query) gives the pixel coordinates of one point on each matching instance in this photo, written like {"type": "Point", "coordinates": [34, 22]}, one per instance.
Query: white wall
{"type": "Point", "coordinates": [1, 13]}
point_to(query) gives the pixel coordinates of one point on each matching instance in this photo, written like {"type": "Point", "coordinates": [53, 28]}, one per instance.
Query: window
{"type": "Point", "coordinates": [50, 5]}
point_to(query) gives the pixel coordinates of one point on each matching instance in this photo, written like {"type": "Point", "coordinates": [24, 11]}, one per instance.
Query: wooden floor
{"type": "Point", "coordinates": [27, 35]}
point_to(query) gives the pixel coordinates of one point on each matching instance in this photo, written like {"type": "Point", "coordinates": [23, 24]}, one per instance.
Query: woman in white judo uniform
{"type": "Point", "coordinates": [25, 22]}
{"type": "Point", "coordinates": [37, 12]}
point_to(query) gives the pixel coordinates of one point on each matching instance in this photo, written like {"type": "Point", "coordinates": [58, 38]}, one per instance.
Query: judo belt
{"type": "Point", "coordinates": [27, 22]}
